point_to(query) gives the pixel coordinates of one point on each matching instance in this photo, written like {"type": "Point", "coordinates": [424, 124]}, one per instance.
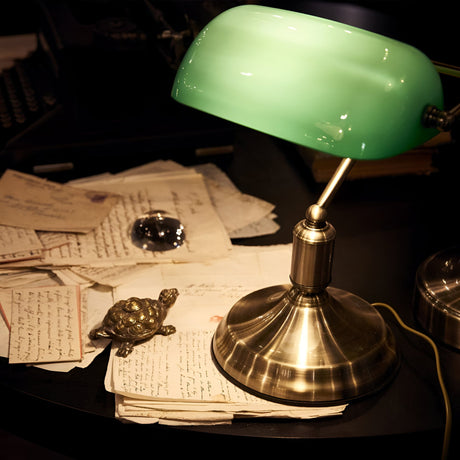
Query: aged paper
{"type": "Point", "coordinates": [19, 244]}
{"type": "Point", "coordinates": [27, 277]}
{"type": "Point", "coordinates": [206, 293]}
{"type": "Point", "coordinates": [31, 202]}
{"type": "Point", "coordinates": [17, 259]}
{"type": "Point", "coordinates": [174, 368]}
{"type": "Point", "coordinates": [208, 289]}
{"type": "Point", "coordinates": [216, 210]}
{"type": "Point", "coordinates": [109, 276]}
{"type": "Point", "coordinates": [237, 210]}
{"type": "Point", "coordinates": [264, 226]}
{"type": "Point", "coordinates": [173, 380]}
{"type": "Point", "coordinates": [5, 314]}
{"type": "Point", "coordinates": [154, 167]}
{"type": "Point", "coordinates": [182, 195]}
{"type": "Point", "coordinates": [95, 302]}
{"type": "Point", "coordinates": [243, 216]}
{"type": "Point", "coordinates": [45, 325]}
{"type": "Point", "coordinates": [16, 279]}
{"type": "Point", "coordinates": [5, 307]}
{"type": "Point", "coordinates": [16, 239]}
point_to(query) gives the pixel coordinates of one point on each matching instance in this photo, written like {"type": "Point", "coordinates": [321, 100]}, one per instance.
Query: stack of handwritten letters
{"type": "Point", "coordinates": [66, 256]}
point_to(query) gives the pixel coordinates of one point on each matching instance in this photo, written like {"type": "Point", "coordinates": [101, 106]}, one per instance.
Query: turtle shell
{"type": "Point", "coordinates": [134, 318]}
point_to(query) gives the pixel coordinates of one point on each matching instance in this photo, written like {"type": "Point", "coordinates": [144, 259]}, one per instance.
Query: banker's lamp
{"type": "Point", "coordinates": [341, 90]}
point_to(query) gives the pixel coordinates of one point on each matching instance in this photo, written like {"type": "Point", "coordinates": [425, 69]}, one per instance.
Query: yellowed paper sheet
{"type": "Point", "coordinates": [237, 210]}
{"type": "Point", "coordinates": [45, 325]}
{"type": "Point", "coordinates": [17, 239]}
{"type": "Point", "coordinates": [182, 195]}
{"type": "Point", "coordinates": [31, 202]}
{"type": "Point", "coordinates": [5, 309]}
{"type": "Point", "coordinates": [173, 380]}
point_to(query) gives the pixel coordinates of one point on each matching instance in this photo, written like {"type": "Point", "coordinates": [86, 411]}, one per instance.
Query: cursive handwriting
{"type": "Point", "coordinates": [45, 325]}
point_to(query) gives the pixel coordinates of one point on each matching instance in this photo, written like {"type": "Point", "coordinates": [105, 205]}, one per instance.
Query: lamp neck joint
{"type": "Point", "coordinates": [315, 217]}
{"type": "Point", "coordinates": [441, 119]}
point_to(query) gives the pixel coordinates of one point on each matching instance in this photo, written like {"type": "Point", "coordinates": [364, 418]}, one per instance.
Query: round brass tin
{"type": "Point", "coordinates": [437, 296]}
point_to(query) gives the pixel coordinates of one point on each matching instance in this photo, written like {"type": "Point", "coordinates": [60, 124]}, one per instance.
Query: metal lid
{"type": "Point", "coordinates": [437, 296]}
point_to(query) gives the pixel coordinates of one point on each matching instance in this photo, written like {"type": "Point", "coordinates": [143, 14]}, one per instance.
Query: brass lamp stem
{"type": "Point", "coordinates": [314, 238]}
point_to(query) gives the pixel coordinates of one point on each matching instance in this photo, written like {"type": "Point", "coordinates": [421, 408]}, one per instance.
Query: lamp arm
{"type": "Point", "coordinates": [335, 182]}
{"type": "Point", "coordinates": [316, 214]}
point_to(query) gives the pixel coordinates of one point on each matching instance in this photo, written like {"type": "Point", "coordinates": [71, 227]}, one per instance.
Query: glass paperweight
{"type": "Point", "coordinates": [155, 231]}
{"type": "Point", "coordinates": [437, 296]}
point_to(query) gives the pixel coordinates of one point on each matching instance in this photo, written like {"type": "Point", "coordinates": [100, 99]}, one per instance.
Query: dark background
{"type": "Point", "coordinates": [102, 102]}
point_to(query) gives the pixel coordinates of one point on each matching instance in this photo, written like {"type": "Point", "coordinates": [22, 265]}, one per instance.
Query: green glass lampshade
{"type": "Point", "coordinates": [311, 81]}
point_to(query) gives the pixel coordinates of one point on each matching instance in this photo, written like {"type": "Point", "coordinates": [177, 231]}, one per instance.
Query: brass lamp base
{"type": "Point", "coordinates": [289, 345]}
{"type": "Point", "coordinates": [307, 342]}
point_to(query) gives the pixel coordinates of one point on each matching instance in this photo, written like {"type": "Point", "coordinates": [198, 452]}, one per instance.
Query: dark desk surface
{"type": "Point", "coordinates": [385, 228]}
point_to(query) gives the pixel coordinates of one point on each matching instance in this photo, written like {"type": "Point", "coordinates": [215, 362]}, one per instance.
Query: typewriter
{"type": "Point", "coordinates": [96, 90]}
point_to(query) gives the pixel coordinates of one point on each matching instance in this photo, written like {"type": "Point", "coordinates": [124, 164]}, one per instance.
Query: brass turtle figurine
{"type": "Point", "coordinates": [133, 320]}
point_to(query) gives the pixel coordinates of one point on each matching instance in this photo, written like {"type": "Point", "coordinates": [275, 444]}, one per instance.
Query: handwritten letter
{"type": "Point", "coordinates": [31, 202]}
{"type": "Point", "coordinates": [181, 195]}
{"type": "Point", "coordinates": [16, 239]}
{"type": "Point", "coordinates": [174, 368]}
{"type": "Point", "coordinates": [45, 325]}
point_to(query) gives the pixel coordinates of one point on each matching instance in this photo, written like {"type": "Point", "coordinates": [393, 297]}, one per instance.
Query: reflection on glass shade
{"type": "Point", "coordinates": [312, 81]}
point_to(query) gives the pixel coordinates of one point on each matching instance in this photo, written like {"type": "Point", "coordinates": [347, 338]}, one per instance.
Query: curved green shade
{"type": "Point", "coordinates": [312, 81]}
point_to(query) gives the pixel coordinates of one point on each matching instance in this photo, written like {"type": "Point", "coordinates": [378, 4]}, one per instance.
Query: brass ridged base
{"type": "Point", "coordinates": [437, 294]}
{"type": "Point", "coordinates": [287, 345]}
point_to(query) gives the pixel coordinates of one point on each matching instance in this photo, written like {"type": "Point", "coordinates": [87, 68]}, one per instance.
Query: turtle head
{"type": "Point", "coordinates": [168, 297]}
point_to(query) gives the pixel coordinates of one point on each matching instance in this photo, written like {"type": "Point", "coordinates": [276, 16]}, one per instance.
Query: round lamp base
{"type": "Point", "coordinates": [284, 344]}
